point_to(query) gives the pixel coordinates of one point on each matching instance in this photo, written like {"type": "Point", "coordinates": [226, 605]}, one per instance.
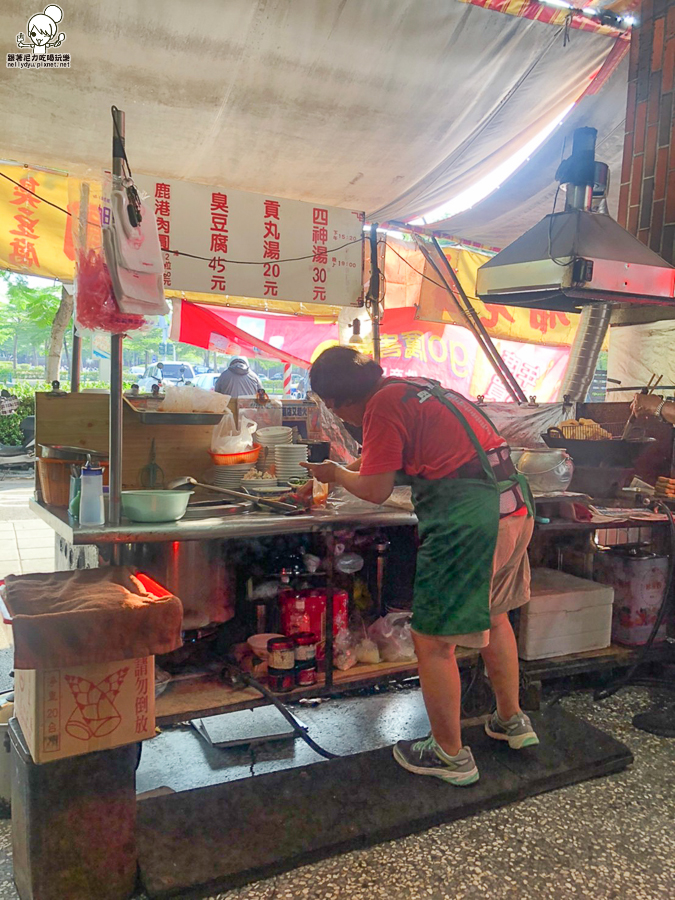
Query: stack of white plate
{"type": "Point", "coordinates": [269, 438]}
{"type": "Point", "coordinates": [228, 476]}
{"type": "Point", "coordinates": [287, 458]}
{"type": "Point", "coordinates": [277, 434]}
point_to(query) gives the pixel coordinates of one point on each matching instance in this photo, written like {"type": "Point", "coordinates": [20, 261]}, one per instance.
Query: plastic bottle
{"type": "Point", "coordinates": [91, 496]}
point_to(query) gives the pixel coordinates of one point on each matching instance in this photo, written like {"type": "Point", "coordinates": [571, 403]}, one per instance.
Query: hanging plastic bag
{"type": "Point", "coordinates": [393, 636]}
{"type": "Point", "coordinates": [344, 650]}
{"type": "Point", "coordinates": [95, 306]}
{"type": "Point", "coordinates": [226, 439]}
{"type": "Point", "coordinates": [266, 411]}
{"type": "Point", "coordinates": [349, 563]}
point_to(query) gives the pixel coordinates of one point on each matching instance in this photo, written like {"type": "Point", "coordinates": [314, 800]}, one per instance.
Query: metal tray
{"type": "Point", "coordinates": [160, 418]}
{"type": "Point", "coordinates": [149, 412]}
{"type": "Point", "coordinates": [216, 509]}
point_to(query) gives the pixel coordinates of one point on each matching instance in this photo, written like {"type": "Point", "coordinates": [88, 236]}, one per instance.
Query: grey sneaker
{"type": "Point", "coordinates": [517, 730]}
{"type": "Point", "coordinates": [421, 758]}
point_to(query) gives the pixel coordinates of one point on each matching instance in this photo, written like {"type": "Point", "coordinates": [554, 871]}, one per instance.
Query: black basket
{"type": "Point", "coordinates": [606, 453]}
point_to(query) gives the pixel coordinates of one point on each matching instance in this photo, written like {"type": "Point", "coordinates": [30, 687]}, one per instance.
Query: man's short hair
{"type": "Point", "coordinates": [344, 376]}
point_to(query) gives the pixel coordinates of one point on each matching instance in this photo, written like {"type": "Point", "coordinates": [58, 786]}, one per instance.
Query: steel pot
{"type": "Point", "coordinates": [197, 572]}
{"type": "Point", "coordinates": [546, 470]}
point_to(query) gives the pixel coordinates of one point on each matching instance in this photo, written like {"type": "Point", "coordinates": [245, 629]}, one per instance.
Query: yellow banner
{"type": "Point", "coordinates": [532, 326]}
{"type": "Point", "coordinates": [36, 238]}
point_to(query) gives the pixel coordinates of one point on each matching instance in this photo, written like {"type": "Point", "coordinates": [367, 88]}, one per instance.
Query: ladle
{"type": "Point", "coordinates": [277, 505]}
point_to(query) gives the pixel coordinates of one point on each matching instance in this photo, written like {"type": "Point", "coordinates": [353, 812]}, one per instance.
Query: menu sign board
{"type": "Point", "coordinates": [232, 243]}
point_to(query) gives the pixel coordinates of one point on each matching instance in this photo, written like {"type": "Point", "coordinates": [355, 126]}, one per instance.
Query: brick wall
{"type": "Point", "coordinates": [647, 194]}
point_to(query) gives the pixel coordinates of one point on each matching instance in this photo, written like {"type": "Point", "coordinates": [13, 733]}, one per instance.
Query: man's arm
{"type": "Point", "coordinates": [645, 405]}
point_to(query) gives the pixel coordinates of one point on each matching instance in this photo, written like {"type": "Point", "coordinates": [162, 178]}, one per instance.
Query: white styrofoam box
{"type": "Point", "coordinates": [565, 615]}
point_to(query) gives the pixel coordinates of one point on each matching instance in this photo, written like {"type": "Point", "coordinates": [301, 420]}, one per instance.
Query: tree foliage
{"type": "Point", "coordinates": [26, 315]}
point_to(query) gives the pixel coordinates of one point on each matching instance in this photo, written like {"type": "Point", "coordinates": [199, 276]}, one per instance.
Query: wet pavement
{"type": "Point", "coordinates": [607, 838]}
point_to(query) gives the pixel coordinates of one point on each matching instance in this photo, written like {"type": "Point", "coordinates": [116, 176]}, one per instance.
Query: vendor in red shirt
{"type": "Point", "coordinates": [475, 523]}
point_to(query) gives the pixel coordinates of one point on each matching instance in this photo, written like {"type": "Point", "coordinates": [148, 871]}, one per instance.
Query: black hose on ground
{"type": "Point", "coordinates": [249, 681]}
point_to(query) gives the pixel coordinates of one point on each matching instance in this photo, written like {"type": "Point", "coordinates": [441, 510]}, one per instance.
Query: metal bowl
{"type": "Point", "coordinates": [547, 470]}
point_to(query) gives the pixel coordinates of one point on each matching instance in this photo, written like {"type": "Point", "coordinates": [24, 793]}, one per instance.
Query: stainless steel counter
{"type": "Point", "coordinates": [207, 529]}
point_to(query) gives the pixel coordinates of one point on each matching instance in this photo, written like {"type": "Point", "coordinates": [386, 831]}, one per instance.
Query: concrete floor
{"type": "Point", "coordinates": [26, 542]}
{"type": "Point", "coordinates": [608, 839]}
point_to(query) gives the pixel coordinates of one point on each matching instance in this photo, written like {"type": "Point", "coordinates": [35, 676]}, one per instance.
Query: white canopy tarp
{"type": "Point", "coordinates": [387, 107]}
{"type": "Point", "coordinates": [636, 352]}
{"type": "Point", "coordinates": [528, 195]}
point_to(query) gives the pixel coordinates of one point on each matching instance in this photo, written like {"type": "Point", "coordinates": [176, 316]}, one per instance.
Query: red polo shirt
{"type": "Point", "coordinates": [424, 439]}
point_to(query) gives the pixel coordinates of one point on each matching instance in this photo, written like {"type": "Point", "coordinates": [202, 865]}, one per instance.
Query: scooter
{"type": "Point", "coordinates": [24, 454]}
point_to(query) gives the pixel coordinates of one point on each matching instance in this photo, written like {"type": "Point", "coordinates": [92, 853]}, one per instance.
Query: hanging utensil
{"type": "Point", "coordinates": [152, 475]}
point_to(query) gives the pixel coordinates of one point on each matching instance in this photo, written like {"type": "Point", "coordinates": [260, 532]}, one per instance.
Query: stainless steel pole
{"type": "Point", "coordinates": [116, 343]}
{"type": "Point", "coordinates": [374, 292]}
{"type": "Point", "coordinates": [76, 354]}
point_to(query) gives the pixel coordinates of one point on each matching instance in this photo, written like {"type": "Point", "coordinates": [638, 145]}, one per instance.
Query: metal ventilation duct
{"type": "Point", "coordinates": [585, 350]}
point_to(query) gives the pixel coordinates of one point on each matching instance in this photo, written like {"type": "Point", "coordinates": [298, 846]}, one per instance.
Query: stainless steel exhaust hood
{"type": "Point", "coordinates": [577, 257]}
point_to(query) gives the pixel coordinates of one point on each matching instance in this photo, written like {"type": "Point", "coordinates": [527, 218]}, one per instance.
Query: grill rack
{"type": "Point", "coordinates": [600, 431]}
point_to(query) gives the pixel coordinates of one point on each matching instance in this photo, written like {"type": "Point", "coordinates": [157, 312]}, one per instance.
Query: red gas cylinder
{"type": "Point", "coordinates": [315, 609]}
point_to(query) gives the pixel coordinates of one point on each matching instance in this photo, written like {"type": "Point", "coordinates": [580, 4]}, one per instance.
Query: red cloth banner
{"type": "Point", "coordinates": [296, 340]}
{"type": "Point", "coordinates": [409, 348]}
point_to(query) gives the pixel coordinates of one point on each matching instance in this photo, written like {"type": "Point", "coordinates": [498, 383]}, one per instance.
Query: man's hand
{"type": "Point", "coordinates": [645, 405]}
{"type": "Point", "coordinates": [324, 471]}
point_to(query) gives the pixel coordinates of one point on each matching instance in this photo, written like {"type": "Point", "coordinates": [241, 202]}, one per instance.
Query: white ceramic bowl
{"type": "Point", "coordinates": [258, 643]}
{"type": "Point", "coordinates": [276, 434]}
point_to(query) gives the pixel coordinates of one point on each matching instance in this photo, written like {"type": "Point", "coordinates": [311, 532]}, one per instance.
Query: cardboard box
{"type": "Point", "coordinates": [81, 709]}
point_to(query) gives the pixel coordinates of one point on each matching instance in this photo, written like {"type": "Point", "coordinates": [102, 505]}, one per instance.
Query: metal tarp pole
{"type": "Point", "coordinates": [504, 371]}
{"type": "Point", "coordinates": [116, 342]}
{"type": "Point", "coordinates": [474, 323]}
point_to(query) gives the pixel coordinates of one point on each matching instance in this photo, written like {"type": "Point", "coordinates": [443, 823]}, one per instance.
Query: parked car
{"type": "Point", "coordinates": [168, 373]}
{"type": "Point", "coordinates": [299, 386]}
{"type": "Point", "coordinates": [207, 381]}
{"type": "Point", "coordinates": [202, 370]}
{"type": "Point", "coordinates": [138, 370]}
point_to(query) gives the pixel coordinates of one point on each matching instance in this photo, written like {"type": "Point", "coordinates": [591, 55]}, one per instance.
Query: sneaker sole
{"type": "Point", "coordinates": [459, 780]}
{"type": "Point", "coordinates": [516, 742]}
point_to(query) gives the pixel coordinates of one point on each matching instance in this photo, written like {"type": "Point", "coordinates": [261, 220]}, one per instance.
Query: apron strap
{"type": "Point", "coordinates": [434, 389]}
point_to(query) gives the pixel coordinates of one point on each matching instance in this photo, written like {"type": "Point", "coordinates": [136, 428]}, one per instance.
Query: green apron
{"type": "Point", "coordinates": [458, 529]}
